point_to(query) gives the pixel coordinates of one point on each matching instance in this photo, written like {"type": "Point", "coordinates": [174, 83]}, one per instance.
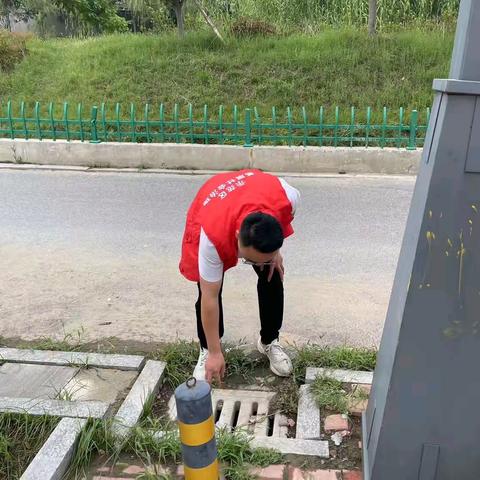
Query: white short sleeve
{"type": "Point", "coordinates": [292, 194]}
{"type": "Point", "coordinates": [210, 266]}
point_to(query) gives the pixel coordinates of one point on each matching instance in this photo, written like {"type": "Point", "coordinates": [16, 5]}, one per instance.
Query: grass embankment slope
{"type": "Point", "coordinates": [337, 67]}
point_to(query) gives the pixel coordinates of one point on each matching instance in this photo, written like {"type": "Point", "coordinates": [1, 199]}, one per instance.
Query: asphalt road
{"type": "Point", "coordinates": [99, 252]}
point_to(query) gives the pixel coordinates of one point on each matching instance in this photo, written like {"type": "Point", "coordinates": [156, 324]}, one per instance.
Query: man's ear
{"type": "Point", "coordinates": [237, 234]}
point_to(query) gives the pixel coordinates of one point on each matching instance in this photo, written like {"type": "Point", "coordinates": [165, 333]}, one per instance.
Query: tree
{"type": "Point", "coordinates": [8, 8]}
{"type": "Point", "coordinates": [372, 17]}
{"type": "Point", "coordinates": [178, 6]}
{"type": "Point", "coordinates": [99, 14]}
{"type": "Point", "coordinates": [208, 20]}
{"type": "Point", "coordinates": [141, 8]}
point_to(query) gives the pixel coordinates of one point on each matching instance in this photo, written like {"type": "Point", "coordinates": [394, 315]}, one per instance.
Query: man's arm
{"type": "Point", "coordinates": [210, 310]}
{"type": "Point", "coordinates": [210, 268]}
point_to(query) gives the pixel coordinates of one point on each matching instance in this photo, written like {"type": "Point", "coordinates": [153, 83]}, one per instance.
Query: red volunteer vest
{"type": "Point", "coordinates": [220, 208]}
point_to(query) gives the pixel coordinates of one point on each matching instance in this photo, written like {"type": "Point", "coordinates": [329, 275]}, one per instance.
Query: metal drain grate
{"type": "Point", "coordinates": [244, 409]}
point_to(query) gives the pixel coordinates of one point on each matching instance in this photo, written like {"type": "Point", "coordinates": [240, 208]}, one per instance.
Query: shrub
{"type": "Point", "coordinates": [13, 49]}
{"type": "Point", "coordinates": [247, 27]}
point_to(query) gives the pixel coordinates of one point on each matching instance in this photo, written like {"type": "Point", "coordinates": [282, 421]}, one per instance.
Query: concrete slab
{"type": "Point", "coordinates": [294, 446]}
{"type": "Point", "coordinates": [33, 381]}
{"type": "Point", "coordinates": [104, 385]}
{"type": "Point", "coordinates": [260, 428]}
{"type": "Point", "coordinates": [226, 416]}
{"type": "Point", "coordinates": [54, 408]}
{"type": "Point", "coordinates": [308, 416]}
{"type": "Point", "coordinates": [245, 418]}
{"type": "Point", "coordinates": [53, 459]}
{"type": "Point", "coordinates": [344, 376]}
{"type": "Point", "coordinates": [280, 426]}
{"type": "Point", "coordinates": [147, 384]}
{"type": "Point", "coordinates": [46, 357]}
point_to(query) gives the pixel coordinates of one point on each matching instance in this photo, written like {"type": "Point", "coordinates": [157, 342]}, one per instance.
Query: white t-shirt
{"type": "Point", "coordinates": [210, 265]}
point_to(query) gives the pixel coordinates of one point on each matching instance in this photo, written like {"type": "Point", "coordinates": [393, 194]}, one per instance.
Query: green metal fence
{"type": "Point", "coordinates": [183, 124]}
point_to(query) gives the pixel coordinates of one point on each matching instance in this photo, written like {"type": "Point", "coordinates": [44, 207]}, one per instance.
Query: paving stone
{"type": "Point", "coordinates": [103, 385]}
{"type": "Point", "coordinates": [336, 423]}
{"type": "Point", "coordinates": [121, 362]}
{"type": "Point", "coordinates": [147, 384]}
{"type": "Point", "coordinates": [53, 459]}
{"type": "Point", "coordinates": [110, 478]}
{"type": "Point", "coordinates": [344, 376]}
{"type": "Point", "coordinates": [159, 470]}
{"type": "Point", "coordinates": [352, 475]}
{"type": "Point", "coordinates": [357, 406]}
{"type": "Point", "coordinates": [55, 408]}
{"type": "Point", "coordinates": [273, 472]}
{"type": "Point", "coordinates": [104, 469]}
{"type": "Point", "coordinates": [308, 416]}
{"type": "Point", "coordinates": [133, 470]}
{"type": "Point", "coordinates": [297, 474]}
{"type": "Point", "coordinates": [33, 381]}
{"type": "Point", "coordinates": [295, 446]}
{"type": "Point", "coordinates": [181, 473]}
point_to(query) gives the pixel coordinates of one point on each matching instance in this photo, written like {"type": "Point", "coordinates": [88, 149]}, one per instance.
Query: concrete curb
{"type": "Point", "coordinates": [54, 408]}
{"type": "Point", "coordinates": [53, 459]}
{"type": "Point", "coordinates": [146, 385]}
{"type": "Point", "coordinates": [294, 446]}
{"type": "Point", "coordinates": [308, 415]}
{"type": "Point", "coordinates": [344, 376]}
{"type": "Point", "coordinates": [210, 157]}
{"type": "Point", "coordinates": [46, 357]}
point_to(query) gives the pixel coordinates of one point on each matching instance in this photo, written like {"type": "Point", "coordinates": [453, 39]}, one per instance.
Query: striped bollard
{"type": "Point", "coordinates": [197, 430]}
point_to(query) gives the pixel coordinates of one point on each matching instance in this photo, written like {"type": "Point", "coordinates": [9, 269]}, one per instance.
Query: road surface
{"type": "Point", "coordinates": [99, 251]}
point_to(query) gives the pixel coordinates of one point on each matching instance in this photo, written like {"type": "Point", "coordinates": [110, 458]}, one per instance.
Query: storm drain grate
{"type": "Point", "coordinates": [244, 409]}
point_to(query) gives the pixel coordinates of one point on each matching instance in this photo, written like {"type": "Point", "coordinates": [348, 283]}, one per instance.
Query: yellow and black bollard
{"type": "Point", "coordinates": [197, 430]}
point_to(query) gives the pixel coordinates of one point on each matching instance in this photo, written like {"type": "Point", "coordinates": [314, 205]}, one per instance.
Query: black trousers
{"type": "Point", "coordinates": [270, 304]}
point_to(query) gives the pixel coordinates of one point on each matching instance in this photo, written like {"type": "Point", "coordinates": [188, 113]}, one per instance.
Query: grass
{"type": "Point", "coordinates": [313, 15]}
{"type": "Point", "coordinates": [329, 394]}
{"type": "Point", "coordinates": [71, 342]}
{"type": "Point", "coordinates": [343, 357]}
{"type": "Point", "coordinates": [26, 434]}
{"type": "Point", "coordinates": [234, 450]}
{"type": "Point", "coordinates": [182, 356]}
{"type": "Point", "coordinates": [21, 437]}
{"type": "Point", "coordinates": [342, 67]}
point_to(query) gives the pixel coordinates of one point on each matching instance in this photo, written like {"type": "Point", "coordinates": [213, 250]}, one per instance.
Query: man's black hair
{"type": "Point", "coordinates": [262, 232]}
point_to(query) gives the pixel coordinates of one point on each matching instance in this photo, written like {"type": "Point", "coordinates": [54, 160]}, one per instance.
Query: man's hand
{"type": "Point", "coordinates": [277, 264]}
{"type": "Point", "coordinates": [214, 367]}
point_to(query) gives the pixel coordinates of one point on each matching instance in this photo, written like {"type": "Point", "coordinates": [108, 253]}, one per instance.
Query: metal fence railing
{"type": "Point", "coordinates": [326, 127]}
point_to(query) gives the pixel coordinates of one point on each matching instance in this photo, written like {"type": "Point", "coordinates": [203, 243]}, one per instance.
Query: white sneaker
{"type": "Point", "coordinates": [280, 363]}
{"type": "Point", "coordinates": [199, 372]}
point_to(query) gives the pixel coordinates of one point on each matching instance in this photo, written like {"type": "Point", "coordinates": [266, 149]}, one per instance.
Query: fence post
{"type": "Point", "coordinates": [248, 128]}
{"type": "Point", "coordinates": [93, 121]}
{"type": "Point", "coordinates": [10, 121]}
{"type": "Point", "coordinates": [412, 142]}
